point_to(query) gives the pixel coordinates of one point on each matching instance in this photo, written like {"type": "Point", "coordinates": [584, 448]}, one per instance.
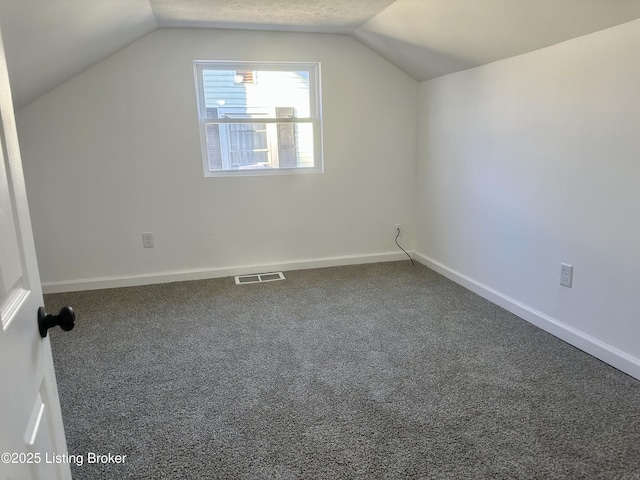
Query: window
{"type": "Point", "coordinates": [259, 117]}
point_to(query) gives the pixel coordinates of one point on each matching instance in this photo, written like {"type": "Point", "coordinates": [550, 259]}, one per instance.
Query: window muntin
{"type": "Point", "coordinates": [259, 117]}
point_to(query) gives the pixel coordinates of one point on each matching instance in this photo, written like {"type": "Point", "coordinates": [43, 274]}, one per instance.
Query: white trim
{"type": "Point", "coordinates": [602, 351]}
{"type": "Point", "coordinates": [205, 273]}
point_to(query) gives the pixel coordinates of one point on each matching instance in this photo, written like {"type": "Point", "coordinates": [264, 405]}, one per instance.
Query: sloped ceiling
{"type": "Point", "coordinates": [49, 41]}
{"type": "Point", "coordinates": [430, 38]}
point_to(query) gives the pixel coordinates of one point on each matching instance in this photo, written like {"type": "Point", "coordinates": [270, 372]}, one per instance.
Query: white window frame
{"type": "Point", "coordinates": [315, 118]}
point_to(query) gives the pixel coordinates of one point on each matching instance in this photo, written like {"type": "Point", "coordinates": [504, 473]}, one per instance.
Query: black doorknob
{"type": "Point", "coordinates": [66, 319]}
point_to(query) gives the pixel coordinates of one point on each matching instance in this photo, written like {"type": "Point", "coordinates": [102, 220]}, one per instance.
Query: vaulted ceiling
{"type": "Point", "coordinates": [49, 41]}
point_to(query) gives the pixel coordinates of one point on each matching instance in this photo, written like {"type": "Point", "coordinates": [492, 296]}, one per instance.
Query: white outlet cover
{"type": "Point", "coordinates": [566, 275]}
{"type": "Point", "coordinates": [147, 239]}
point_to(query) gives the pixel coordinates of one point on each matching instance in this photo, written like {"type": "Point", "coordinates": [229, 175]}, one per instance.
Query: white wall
{"type": "Point", "coordinates": [533, 161]}
{"type": "Point", "coordinates": [115, 151]}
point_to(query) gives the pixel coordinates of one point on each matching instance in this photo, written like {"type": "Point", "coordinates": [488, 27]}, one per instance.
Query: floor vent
{"type": "Point", "coordinates": [259, 278]}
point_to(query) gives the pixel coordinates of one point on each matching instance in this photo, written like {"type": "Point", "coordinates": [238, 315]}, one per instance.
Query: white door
{"type": "Point", "coordinates": [32, 439]}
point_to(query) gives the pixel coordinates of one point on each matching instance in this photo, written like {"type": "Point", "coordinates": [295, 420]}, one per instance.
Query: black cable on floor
{"type": "Point", "coordinates": [412, 264]}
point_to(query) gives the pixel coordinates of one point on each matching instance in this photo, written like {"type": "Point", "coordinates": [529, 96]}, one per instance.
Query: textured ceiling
{"type": "Point", "coordinates": [49, 41]}
{"type": "Point", "coordinates": [329, 16]}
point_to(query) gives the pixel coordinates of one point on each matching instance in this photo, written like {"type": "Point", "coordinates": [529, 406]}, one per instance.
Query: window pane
{"type": "Point", "coordinates": [248, 136]}
{"type": "Point", "coordinates": [241, 107]}
{"type": "Point", "coordinates": [256, 94]}
{"type": "Point", "coordinates": [232, 146]}
{"type": "Point", "coordinates": [304, 145]}
{"type": "Point", "coordinates": [248, 160]}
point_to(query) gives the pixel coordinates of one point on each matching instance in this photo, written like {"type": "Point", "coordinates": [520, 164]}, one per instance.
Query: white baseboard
{"type": "Point", "coordinates": [586, 343]}
{"type": "Point", "coordinates": [602, 351]}
{"type": "Point", "coordinates": [205, 273]}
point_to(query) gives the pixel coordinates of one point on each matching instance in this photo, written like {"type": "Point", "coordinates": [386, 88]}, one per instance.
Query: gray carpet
{"type": "Point", "coordinates": [381, 371]}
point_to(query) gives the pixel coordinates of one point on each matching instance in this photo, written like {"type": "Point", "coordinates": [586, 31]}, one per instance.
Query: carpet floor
{"type": "Point", "coordinates": [380, 371]}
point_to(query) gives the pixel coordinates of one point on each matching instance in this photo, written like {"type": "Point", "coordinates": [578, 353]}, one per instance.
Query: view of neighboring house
{"type": "Point", "coordinates": [235, 97]}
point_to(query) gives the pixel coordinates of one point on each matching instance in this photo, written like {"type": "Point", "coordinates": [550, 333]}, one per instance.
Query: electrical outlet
{"type": "Point", "coordinates": [566, 275]}
{"type": "Point", "coordinates": [147, 239]}
{"type": "Point", "coordinates": [397, 230]}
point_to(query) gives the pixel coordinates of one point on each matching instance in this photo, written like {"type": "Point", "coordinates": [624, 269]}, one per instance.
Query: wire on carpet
{"type": "Point", "coordinates": [399, 246]}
